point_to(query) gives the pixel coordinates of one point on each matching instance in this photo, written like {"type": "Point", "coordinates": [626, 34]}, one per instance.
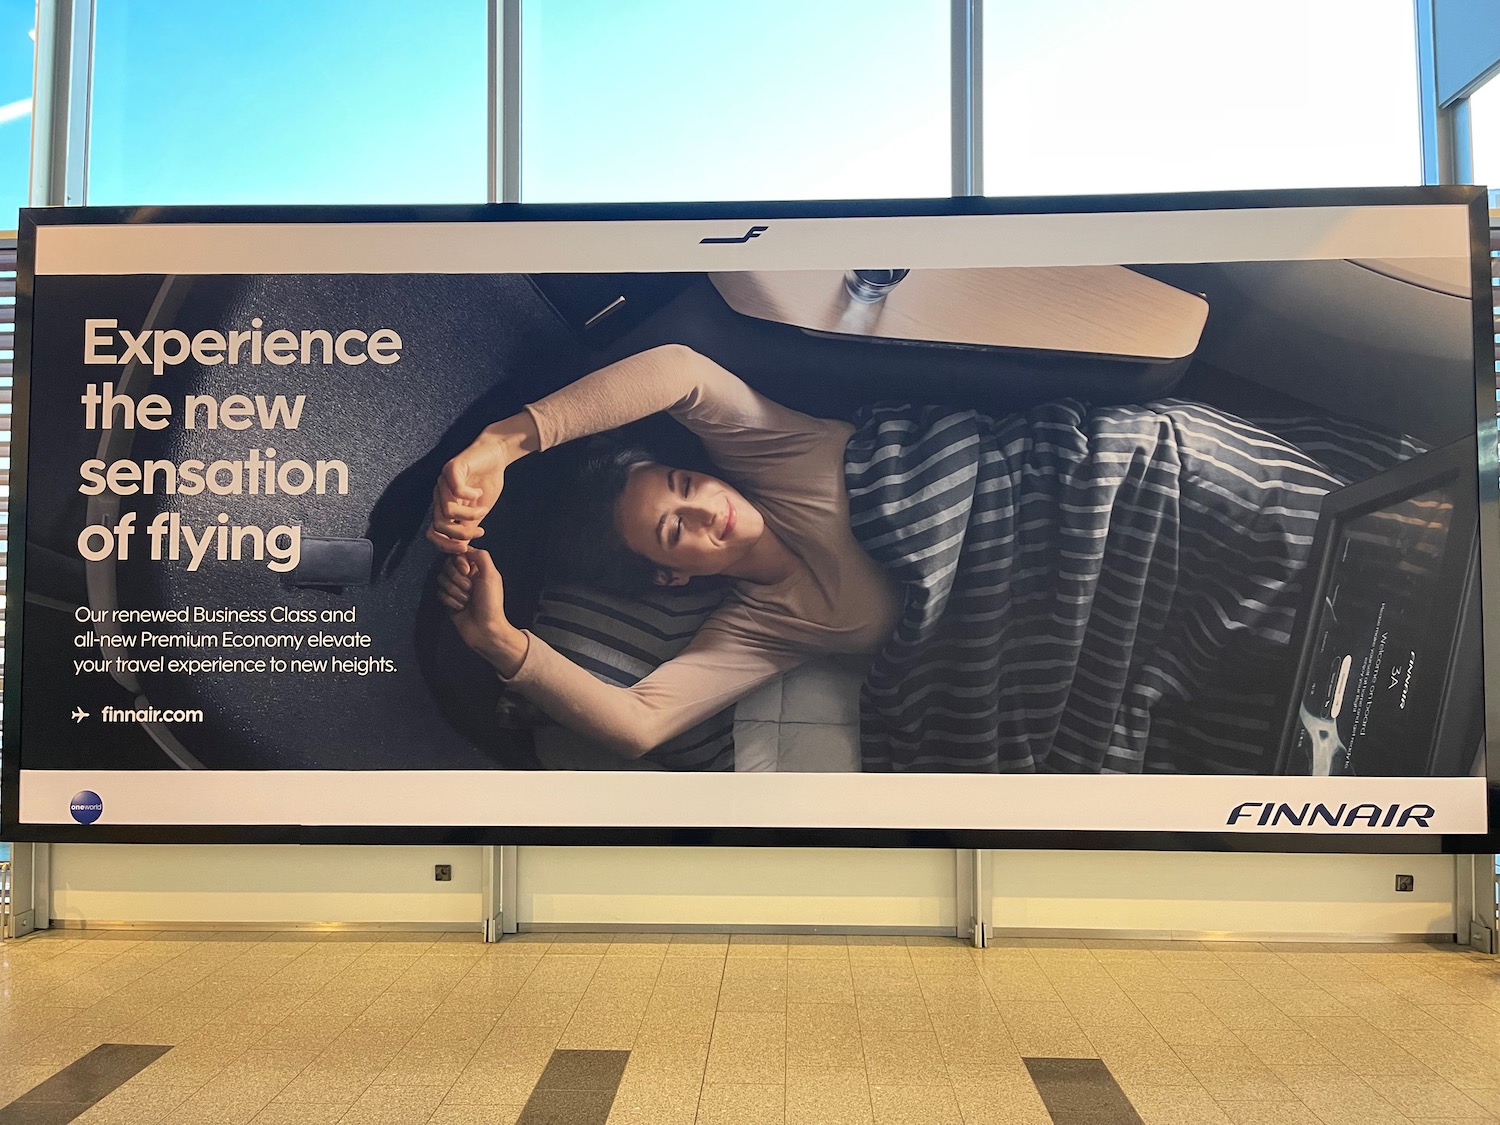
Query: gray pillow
{"type": "Point", "coordinates": [621, 640]}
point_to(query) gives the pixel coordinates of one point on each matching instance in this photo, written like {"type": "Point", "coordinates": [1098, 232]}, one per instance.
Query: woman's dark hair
{"type": "Point", "coordinates": [583, 542]}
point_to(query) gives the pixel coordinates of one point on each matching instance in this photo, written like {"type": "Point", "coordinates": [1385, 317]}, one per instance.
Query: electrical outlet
{"type": "Point", "coordinates": [1406, 882]}
{"type": "Point", "coordinates": [443, 872]}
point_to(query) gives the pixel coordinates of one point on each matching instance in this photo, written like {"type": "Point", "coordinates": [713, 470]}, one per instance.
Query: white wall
{"type": "Point", "coordinates": [1142, 891]}
{"type": "Point", "coordinates": [262, 883]}
{"type": "Point", "coordinates": [747, 886]}
{"type": "Point", "coordinates": [1201, 891]}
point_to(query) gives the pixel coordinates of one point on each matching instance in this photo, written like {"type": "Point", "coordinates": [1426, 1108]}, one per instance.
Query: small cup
{"type": "Point", "coordinates": [869, 286]}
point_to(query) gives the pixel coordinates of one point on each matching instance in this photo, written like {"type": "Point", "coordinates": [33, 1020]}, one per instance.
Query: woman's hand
{"type": "Point", "coordinates": [466, 490]}
{"type": "Point", "coordinates": [474, 594]}
{"type": "Point", "coordinates": [470, 484]}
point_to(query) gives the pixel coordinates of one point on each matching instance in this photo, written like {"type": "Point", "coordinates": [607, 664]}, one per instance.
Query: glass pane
{"type": "Point", "coordinates": [17, 57]}
{"type": "Point", "coordinates": [286, 101]}
{"type": "Point", "coordinates": [1484, 131]}
{"type": "Point", "coordinates": [1086, 96]}
{"type": "Point", "coordinates": [733, 99]}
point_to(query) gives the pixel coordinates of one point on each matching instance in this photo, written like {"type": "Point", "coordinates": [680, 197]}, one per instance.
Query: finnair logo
{"type": "Point", "coordinates": [1268, 814]}
{"type": "Point", "coordinates": [86, 806]}
{"type": "Point", "coordinates": [753, 232]}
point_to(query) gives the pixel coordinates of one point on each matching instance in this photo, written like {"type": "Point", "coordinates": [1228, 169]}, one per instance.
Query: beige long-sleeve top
{"type": "Point", "coordinates": [791, 466]}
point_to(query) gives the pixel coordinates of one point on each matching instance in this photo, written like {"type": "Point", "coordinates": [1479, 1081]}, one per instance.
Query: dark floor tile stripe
{"type": "Point", "coordinates": [576, 1088]}
{"type": "Point", "coordinates": [80, 1084]}
{"type": "Point", "coordinates": [1081, 1092]}
{"type": "Point", "coordinates": [584, 1070]}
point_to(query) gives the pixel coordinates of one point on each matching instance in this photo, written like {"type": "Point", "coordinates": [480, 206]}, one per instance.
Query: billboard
{"type": "Point", "coordinates": [1157, 517]}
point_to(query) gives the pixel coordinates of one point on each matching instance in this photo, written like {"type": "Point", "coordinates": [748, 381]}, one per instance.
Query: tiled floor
{"type": "Point", "coordinates": [370, 1029]}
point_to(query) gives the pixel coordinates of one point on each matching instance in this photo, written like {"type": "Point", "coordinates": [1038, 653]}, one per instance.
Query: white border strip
{"type": "Point", "coordinates": [631, 799]}
{"type": "Point", "coordinates": [626, 245]}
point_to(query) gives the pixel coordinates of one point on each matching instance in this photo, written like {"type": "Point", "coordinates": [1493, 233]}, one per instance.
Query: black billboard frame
{"type": "Point", "coordinates": [1475, 198]}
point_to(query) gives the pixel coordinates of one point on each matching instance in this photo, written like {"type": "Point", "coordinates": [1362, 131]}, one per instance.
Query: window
{"type": "Point", "coordinates": [1484, 135]}
{"type": "Point", "coordinates": [1085, 96]}
{"type": "Point", "coordinates": [17, 56]}
{"type": "Point", "coordinates": [734, 99]}
{"type": "Point", "coordinates": [289, 101]}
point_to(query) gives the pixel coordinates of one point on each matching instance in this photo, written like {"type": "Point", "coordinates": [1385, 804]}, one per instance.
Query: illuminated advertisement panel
{"type": "Point", "coordinates": [1153, 517]}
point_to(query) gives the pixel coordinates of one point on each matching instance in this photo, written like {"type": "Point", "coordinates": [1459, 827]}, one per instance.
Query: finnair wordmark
{"type": "Point", "coordinates": [1271, 814]}
{"type": "Point", "coordinates": [753, 232]}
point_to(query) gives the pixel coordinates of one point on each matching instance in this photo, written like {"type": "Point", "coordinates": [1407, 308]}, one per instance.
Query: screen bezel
{"type": "Point", "coordinates": [1473, 198]}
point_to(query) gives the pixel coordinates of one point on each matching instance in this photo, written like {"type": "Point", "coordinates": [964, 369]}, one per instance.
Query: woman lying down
{"type": "Point", "coordinates": [1068, 589]}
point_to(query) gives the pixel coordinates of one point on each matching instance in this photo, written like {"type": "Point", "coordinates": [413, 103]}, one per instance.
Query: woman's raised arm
{"type": "Point", "coordinates": [739, 427]}
{"type": "Point", "coordinates": [733, 420]}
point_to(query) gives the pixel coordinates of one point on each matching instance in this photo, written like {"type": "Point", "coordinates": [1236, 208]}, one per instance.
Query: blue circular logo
{"type": "Point", "coordinates": [86, 806]}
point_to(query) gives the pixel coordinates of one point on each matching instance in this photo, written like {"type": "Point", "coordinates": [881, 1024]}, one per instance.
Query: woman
{"type": "Point", "coordinates": [800, 583]}
{"type": "Point", "coordinates": [1083, 588]}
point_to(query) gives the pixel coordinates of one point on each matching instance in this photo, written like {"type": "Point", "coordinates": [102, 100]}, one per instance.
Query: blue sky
{"type": "Point", "coordinates": [358, 101]}
{"type": "Point", "coordinates": [291, 101]}
{"type": "Point", "coordinates": [735, 99]}
{"type": "Point", "coordinates": [17, 19]}
{"type": "Point", "coordinates": [385, 101]}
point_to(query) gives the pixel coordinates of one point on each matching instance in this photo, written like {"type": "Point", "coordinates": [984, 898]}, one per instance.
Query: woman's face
{"type": "Point", "coordinates": [689, 524]}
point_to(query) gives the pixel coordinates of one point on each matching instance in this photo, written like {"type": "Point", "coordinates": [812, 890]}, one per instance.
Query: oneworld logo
{"type": "Point", "coordinates": [753, 232]}
{"type": "Point", "coordinates": [1272, 814]}
{"type": "Point", "coordinates": [86, 806]}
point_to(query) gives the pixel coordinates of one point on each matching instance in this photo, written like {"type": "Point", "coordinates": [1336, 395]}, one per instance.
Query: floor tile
{"type": "Point", "coordinates": [747, 1047]}
{"type": "Point", "coordinates": [1000, 1102]}
{"type": "Point", "coordinates": [393, 1105]}
{"type": "Point", "coordinates": [827, 1096]}
{"type": "Point", "coordinates": [742, 1104]}
{"type": "Point", "coordinates": [1269, 1113]}
{"type": "Point", "coordinates": [823, 1035]}
{"type": "Point", "coordinates": [137, 1105]}
{"type": "Point", "coordinates": [1177, 1105]}
{"type": "Point", "coordinates": [902, 1058]}
{"type": "Point", "coordinates": [657, 1097]}
{"type": "Point", "coordinates": [915, 1105]}
{"type": "Point", "coordinates": [1419, 1097]}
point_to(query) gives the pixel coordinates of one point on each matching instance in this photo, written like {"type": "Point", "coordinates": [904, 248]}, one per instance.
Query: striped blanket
{"type": "Point", "coordinates": [1087, 589]}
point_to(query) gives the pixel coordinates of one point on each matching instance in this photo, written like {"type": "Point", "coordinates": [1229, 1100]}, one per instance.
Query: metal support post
{"type": "Point", "coordinates": [60, 109]}
{"type": "Point", "coordinates": [973, 896]}
{"type": "Point", "coordinates": [27, 886]}
{"type": "Point", "coordinates": [497, 891]}
{"type": "Point", "coordinates": [1474, 903]}
{"type": "Point", "coordinates": [967, 96]}
{"type": "Point", "coordinates": [505, 101]}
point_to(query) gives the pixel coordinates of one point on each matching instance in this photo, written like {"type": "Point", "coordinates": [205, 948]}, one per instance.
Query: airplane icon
{"type": "Point", "coordinates": [79, 714]}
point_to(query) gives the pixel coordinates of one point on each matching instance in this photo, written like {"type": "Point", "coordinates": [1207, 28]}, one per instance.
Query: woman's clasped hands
{"type": "Point", "coordinates": [470, 586]}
